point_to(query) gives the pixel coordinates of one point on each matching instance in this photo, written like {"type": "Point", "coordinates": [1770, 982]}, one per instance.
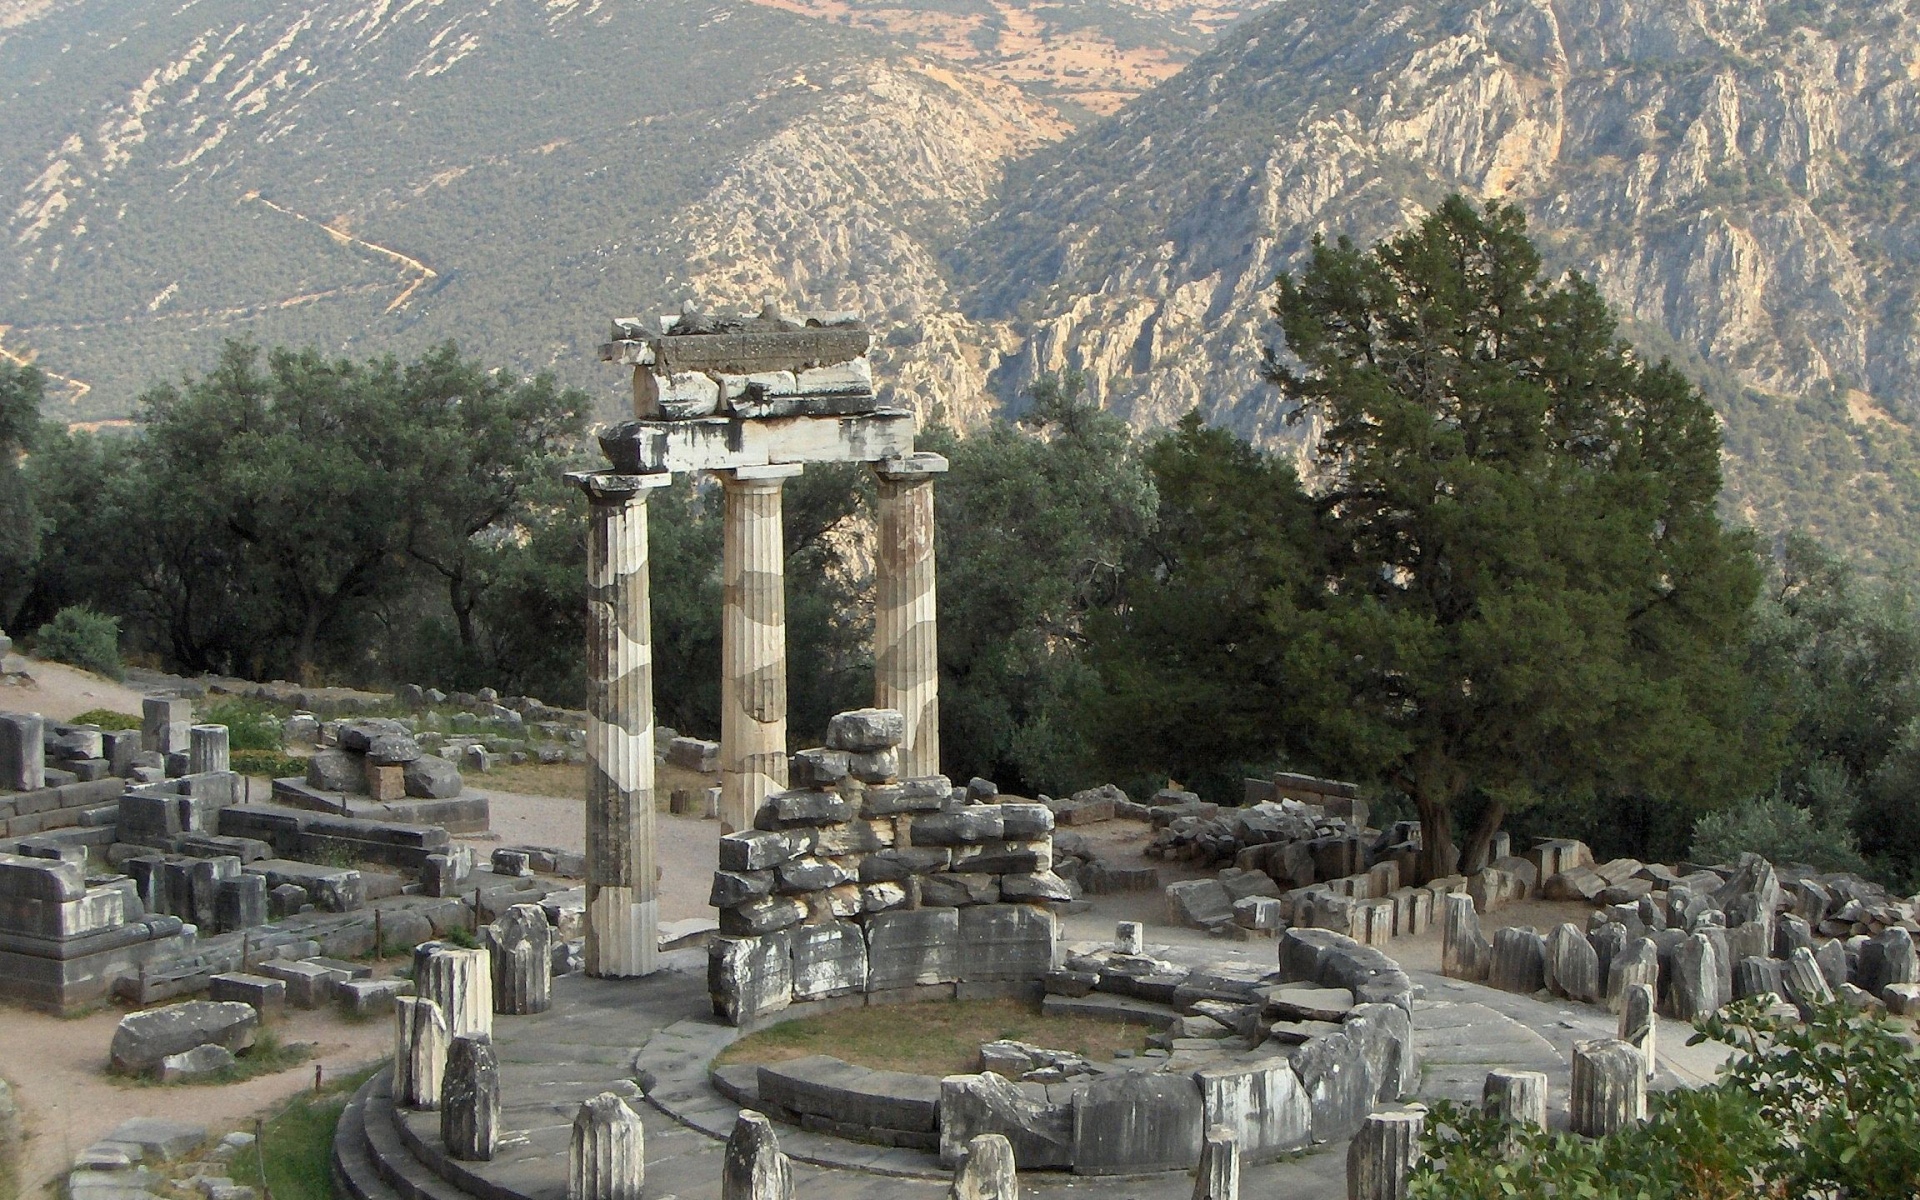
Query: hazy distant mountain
{"type": "Point", "coordinates": [1738, 176]}
{"type": "Point", "coordinates": [378, 174]}
{"type": "Point", "coordinates": [374, 175]}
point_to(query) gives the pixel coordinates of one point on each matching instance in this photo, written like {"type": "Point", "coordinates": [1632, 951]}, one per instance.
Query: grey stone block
{"type": "Point", "coordinates": [1339, 1086]}
{"type": "Point", "coordinates": [749, 978]}
{"type": "Point", "coordinates": [144, 1038]}
{"type": "Point", "coordinates": [201, 1062]}
{"type": "Point", "coordinates": [1519, 961]}
{"type": "Point", "coordinates": [369, 997]}
{"type": "Point", "coordinates": [1007, 942]}
{"type": "Point", "coordinates": [909, 948]}
{"type": "Point", "coordinates": [899, 864]}
{"type": "Point", "coordinates": [240, 902]}
{"type": "Point", "coordinates": [758, 849]}
{"type": "Point", "coordinates": [866, 729]}
{"type": "Point", "coordinates": [308, 985]}
{"type": "Point", "coordinates": [336, 770]}
{"type": "Point", "coordinates": [430, 777]}
{"type": "Point", "coordinates": [908, 796]}
{"type": "Point", "coordinates": [263, 993]}
{"type": "Point", "coordinates": [828, 960]}
{"type": "Point", "coordinates": [961, 827]}
{"type": "Point", "coordinates": [1129, 1123]}
{"type": "Point", "coordinates": [1040, 1132]}
{"type": "Point", "coordinates": [1262, 1102]}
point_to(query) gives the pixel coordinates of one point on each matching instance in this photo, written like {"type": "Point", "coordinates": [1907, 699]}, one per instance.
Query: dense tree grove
{"type": "Point", "coordinates": [1498, 596]}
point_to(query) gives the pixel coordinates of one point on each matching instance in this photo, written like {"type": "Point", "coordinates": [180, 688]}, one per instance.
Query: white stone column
{"type": "Point", "coordinates": [419, 1052]}
{"type": "Point", "coordinates": [1609, 1087]}
{"type": "Point", "coordinates": [460, 982]}
{"type": "Point", "coordinates": [622, 909]}
{"type": "Point", "coordinates": [753, 644]}
{"type": "Point", "coordinates": [207, 749]}
{"type": "Point", "coordinates": [1383, 1154]}
{"type": "Point", "coordinates": [906, 648]}
{"type": "Point", "coordinates": [607, 1153]}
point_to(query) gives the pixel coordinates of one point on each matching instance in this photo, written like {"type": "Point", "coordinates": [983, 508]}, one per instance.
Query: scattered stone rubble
{"type": "Point", "coordinates": [1701, 936]}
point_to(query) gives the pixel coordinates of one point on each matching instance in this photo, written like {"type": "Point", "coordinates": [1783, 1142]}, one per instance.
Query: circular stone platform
{"type": "Point", "coordinates": [595, 1036]}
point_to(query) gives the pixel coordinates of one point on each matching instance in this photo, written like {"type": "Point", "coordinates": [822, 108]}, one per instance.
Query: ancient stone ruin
{"type": "Point", "coordinates": [751, 400]}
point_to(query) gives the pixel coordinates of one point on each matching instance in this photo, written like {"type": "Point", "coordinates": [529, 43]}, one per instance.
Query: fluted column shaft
{"type": "Point", "coordinates": [753, 644]}
{"type": "Point", "coordinates": [622, 911]}
{"type": "Point", "coordinates": [906, 648]}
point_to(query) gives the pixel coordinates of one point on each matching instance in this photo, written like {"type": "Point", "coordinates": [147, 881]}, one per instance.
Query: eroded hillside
{"type": "Point", "coordinates": [1738, 176]}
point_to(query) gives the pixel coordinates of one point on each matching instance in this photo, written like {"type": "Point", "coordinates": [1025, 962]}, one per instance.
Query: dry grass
{"type": "Point", "coordinates": [568, 781]}
{"type": "Point", "coordinates": [937, 1038]}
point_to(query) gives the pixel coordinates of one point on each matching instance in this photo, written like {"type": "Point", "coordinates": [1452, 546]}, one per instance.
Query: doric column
{"type": "Point", "coordinates": [622, 913]}
{"type": "Point", "coordinates": [906, 647]}
{"type": "Point", "coordinates": [753, 644]}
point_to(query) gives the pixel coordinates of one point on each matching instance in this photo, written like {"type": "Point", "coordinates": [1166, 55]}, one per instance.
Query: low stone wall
{"type": "Point", "coordinates": [880, 889]}
{"type": "Point", "coordinates": [297, 833]}
{"type": "Point", "coordinates": [1296, 1057]}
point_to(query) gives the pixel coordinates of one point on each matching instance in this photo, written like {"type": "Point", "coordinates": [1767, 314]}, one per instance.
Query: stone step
{"type": "Point", "coordinates": [354, 1175]}
{"type": "Point", "coordinates": [410, 1178]}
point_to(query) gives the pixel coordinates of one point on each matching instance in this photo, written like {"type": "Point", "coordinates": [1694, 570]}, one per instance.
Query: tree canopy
{"type": "Point", "coordinates": [1525, 586]}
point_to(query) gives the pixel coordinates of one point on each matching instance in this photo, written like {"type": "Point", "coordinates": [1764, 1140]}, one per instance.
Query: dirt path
{"type": "Point", "coordinates": [58, 1071]}
{"type": "Point", "coordinates": [686, 850]}
{"type": "Point", "coordinates": [61, 692]}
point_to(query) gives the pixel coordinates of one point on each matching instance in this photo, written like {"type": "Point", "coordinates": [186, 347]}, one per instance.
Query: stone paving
{"type": "Point", "coordinates": [600, 1034]}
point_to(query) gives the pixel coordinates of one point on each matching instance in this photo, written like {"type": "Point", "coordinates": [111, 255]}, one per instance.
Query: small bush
{"type": "Point", "coordinates": [1830, 1108]}
{"type": "Point", "coordinates": [250, 725]}
{"type": "Point", "coordinates": [1778, 830]}
{"type": "Point", "coordinates": [460, 936]}
{"type": "Point", "coordinates": [83, 638]}
{"type": "Point", "coordinates": [270, 764]}
{"type": "Point", "coordinates": [106, 718]}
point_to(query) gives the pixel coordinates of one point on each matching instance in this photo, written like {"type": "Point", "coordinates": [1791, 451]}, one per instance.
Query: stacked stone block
{"type": "Point", "coordinates": [860, 882]}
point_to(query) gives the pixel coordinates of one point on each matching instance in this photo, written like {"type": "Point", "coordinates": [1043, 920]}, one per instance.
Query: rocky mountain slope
{"type": "Point", "coordinates": [1738, 176]}
{"type": "Point", "coordinates": [374, 175]}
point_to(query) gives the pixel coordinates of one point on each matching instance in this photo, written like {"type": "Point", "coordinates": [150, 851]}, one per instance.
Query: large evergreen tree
{"type": "Point", "coordinates": [1526, 588]}
{"type": "Point", "coordinates": [22, 387]}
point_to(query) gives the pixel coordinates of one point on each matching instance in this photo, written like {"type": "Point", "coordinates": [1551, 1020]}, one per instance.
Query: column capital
{"type": "Point", "coordinates": [612, 487]}
{"type": "Point", "coordinates": [773, 473]}
{"type": "Point", "coordinates": [911, 468]}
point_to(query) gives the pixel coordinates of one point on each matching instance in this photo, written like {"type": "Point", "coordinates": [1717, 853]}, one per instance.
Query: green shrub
{"type": "Point", "coordinates": [1830, 1108]}
{"type": "Point", "coordinates": [83, 638]}
{"type": "Point", "coordinates": [250, 724]}
{"type": "Point", "coordinates": [1778, 830]}
{"type": "Point", "coordinates": [106, 718]}
{"type": "Point", "coordinates": [269, 764]}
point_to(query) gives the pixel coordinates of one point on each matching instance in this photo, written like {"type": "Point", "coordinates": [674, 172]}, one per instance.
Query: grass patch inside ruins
{"type": "Point", "coordinates": [297, 1143]}
{"type": "Point", "coordinates": [106, 718]}
{"type": "Point", "coordinates": [938, 1038]}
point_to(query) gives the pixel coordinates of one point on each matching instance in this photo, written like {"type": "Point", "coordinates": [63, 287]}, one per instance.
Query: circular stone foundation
{"type": "Point", "coordinates": [1287, 1059]}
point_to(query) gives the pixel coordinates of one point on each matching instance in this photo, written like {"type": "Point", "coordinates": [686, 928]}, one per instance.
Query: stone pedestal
{"type": "Point", "coordinates": [1464, 951]}
{"type": "Point", "coordinates": [1609, 1087]}
{"type": "Point", "coordinates": [207, 749]}
{"type": "Point", "coordinates": [460, 982]}
{"type": "Point", "coordinates": [470, 1099]}
{"type": "Point", "coordinates": [987, 1172]}
{"type": "Point", "coordinates": [906, 657]}
{"type": "Point", "coordinates": [520, 945]}
{"type": "Point", "coordinates": [1130, 937]}
{"type": "Point", "coordinates": [1639, 1026]}
{"type": "Point", "coordinates": [23, 752]}
{"type": "Point", "coordinates": [165, 724]}
{"type": "Point", "coordinates": [622, 911]}
{"type": "Point", "coordinates": [1218, 1175]}
{"type": "Point", "coordinates": [1383, 1154]}
{"type": "Point", "coordinates": [419, 1052]}
{"type": "Point", "coordinates": [1516, 1098]}
{"type": "Point", "coordinates": [753, 644]}
{"type": "Point", "coordinates": [607, 1156]}
{"type": "Point", "coordinates": [754, 1168]}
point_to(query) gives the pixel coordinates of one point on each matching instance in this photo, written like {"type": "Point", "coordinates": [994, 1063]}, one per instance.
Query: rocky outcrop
{"type": "Point", "coordinates": [1731, 175]}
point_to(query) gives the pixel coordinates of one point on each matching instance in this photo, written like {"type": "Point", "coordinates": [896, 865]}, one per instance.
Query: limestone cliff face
{"type": "Point", "coordinates": [1739, 177]}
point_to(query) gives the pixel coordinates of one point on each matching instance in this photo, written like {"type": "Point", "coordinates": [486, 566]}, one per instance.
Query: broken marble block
{"type": "Point", "coordinates": [144, 1038]}
{"type": "Point", "coordinates": [750, 977]}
